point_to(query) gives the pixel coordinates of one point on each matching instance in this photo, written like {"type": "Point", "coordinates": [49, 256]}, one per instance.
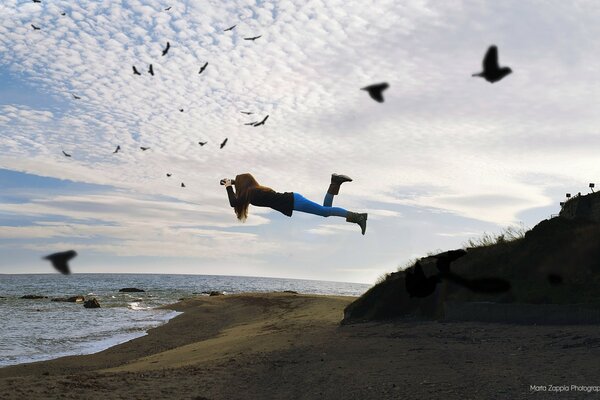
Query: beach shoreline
{"type": "Point", "coordinates": [284, 346]}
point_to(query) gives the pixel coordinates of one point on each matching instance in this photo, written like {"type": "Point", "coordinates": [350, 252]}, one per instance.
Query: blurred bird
{"type": "Point", "coordinates": [135, 71]}
{"type": "Point", "coordinates": [261, 122]}
{"type": "Point", "coordinates": [224, 143]}
{"type": "Point", "coordinates": [203, 68]}
{"type": "Point", "coordinates": [66, 155]}
{"type": "Point", "coordinates": [181, 110]}
{"type": "Point", "coordinates": [230, 28]}
{"type": "Point", "coordinates": [37, 1]}
{"type": "Point", "coordinates": [151, 70]}
{"type": "Point", "coordinates": [167, 9]}
{"type": "Point", "coordinates": [60, 261]}
{"type": "Point", "coordinates": [182, 184]}
{"type": "Point", "coordinates": [202, 143]}
{"type": "Point", "coordinates": [63, 14]}
{"type": "Point", "coordinates": [417, 284]}
{"type": "Point", "coordinates": [35, 28]}
{"type": "Point", "coordinates": [144, 148]}
{"type": "Point", "coordinates": [491, 70]}
{"type": "Point", "coordinates": [443, 260]}
{"type": "Point", "coordinates": [169, 175]}
{"type": "Point", "coordinates": [253, 38]}
{"type": "Point", "coordinates": [251, 123]}
{"type": "Point", "coordinates": [246, 112]}
{"type": "Point", "coordinates": [376, 91]}
{"type": "Point", "coordinates": [117, 149]}
{"type": "Point", "coordinates": [166, 50]}
{"type": "Point", "coordinates": [75, 97]}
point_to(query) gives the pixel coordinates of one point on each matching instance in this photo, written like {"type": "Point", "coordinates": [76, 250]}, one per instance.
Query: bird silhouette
{"type": "Point", "coordinates": [135, 71]}
{"type": "Point", "coordinates": [117, 149]}
{"type": "Point", "coordinates": [37, 1]}
{"type": "Point", "coordinates": [66, 154]}
{"type": "Point", "coordinates": [35, 28]}
{"type": "Point", "coordinates": [151, 70]}
{"type": "Point", "coordinates": [63, 14]}
{"type": "Point", "coordinates": [166, 50]}
{"type": "Point", "coordinates": [181, 110]}
{"type": "Point", "coordinates": [261, 122]}
{"type": "Point", "coordinates": [230, 28]}
{"type": "Point", "coordinates": [376, 91]}
{"type": "Point", "coordinates": [252, 123]}
{"type": "Point", "coordinates": [182, 184]}
{"type": "Point", "coordinates": [202, 143]}
{"type": "Point", "coordinates": [253, 38]}
{"type": "Point", "coordinates": [169, 175]}
{"type": "Point", "coordinates": [144, 148]}
{"type": "Point", "coordinates": [246, 112]}
{"type": "Point", "coordinates": [60, 261]}
{"type": "Point", "coordinates": [491, 70]}
{"type": "Point", "coordinates": [443, 260]}
{"type": "Point", "coordinates": [203, 68]}
{"type": "Point", "coordinates": [417, 284]}
{"type": "Point", "coordinates": [224, 143]}
{"type": "Point", "coordinates": [167, 9]}
{"type": "Point", "coordinates": [76, 97]}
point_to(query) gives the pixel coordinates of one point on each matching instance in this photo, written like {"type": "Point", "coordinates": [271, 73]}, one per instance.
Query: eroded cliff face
{"type": "Point", "coordinates": [582, 207]}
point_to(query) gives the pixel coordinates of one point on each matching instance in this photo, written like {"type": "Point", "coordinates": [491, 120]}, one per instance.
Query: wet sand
{"type": "Point", "coordinates": [286, 346]}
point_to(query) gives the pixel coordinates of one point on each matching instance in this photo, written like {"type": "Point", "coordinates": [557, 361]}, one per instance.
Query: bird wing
{"type": "Point", "coordinates": [490, 61]}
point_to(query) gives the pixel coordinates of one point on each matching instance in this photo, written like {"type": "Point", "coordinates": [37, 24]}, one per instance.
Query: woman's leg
{"type": "Point", "coordinates": [334, 188]}
{"type": "Point", "coordinates": [302, 204]}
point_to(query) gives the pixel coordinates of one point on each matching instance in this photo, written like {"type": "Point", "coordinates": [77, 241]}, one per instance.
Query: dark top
{"type": "Point", "coordinates": [282, 202]}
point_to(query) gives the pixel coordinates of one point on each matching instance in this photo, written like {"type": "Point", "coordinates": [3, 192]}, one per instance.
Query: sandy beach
{"type": "Point", "coordinates": [287, 346]}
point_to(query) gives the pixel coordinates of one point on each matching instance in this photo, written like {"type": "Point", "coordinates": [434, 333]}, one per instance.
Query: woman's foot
{"type": "Point", "coordinates": [360, 219]}
{"type": "Point", "coordinates": [336, 181]}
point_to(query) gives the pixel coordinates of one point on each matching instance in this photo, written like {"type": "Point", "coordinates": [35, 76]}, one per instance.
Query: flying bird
{"type": "Point", "coordinates": [117, 149]}
{"type": "Point", "coordinates": [76, 97]}
{"type": "Point", "coordinates": [252, 123]}
{"type": "Point", "coordinates": [169, 175]}
{"type": "Point", "coordinates": [261, 122]}
{"type": "Point", "coordinates": [60, 261]}
{"type": "Point", "coordinates": [66, 154]}
{"type": "Point", "coordinates": [63, 14]}
{"type": "Point", "coordinates": [224, 143]}
{"type": "Point", "coordinates": [144, 148]}
{"type": "Point", "coordinates": [182, 184]}
{"type": "Point", "coordinates": [203, 68]}
{"type": "Point", "coordinates": [252, 38]}
{"type": "Point", "coordinates": [168, 8]}
{"type": "Point", "coordinates": [246, 112]}
{"type": "Point", "coordinates": [443, 260]}
{"type": "Point", "coordinates": [37, 1]}
{"type": "Point", "coordinates": [202, 143]}
{"type": "Point", "coordinates": [491, 70]}
{"type": "Point", "coordinates": [151, 70]}
{"type": "Point", "coordinates": [181, 110]}
{"type": "Point", "coordinates": [417, 284]}
{"type": "Point", "coordinates": [35, 28]}
{"type": "Point", "coordinates": [376, 91]}
{"type": "Point", "coordinates": [230, 28]}
{"type": "Point", "coordinates": [135, 71]}
{"type": "Point", "coordinates": [166, 50]}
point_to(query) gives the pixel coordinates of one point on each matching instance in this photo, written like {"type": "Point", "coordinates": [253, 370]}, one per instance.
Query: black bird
{"type": "Point", "coordinates": [135, 71]}
{"type": "Point", "coordinates": [166, 50]}
{"type": "Point", "coordinates": [491, 70]}
{"type": "Point", "coordinates": [144, 148]}
{"type": "Point", "coordinates": [37, 1]}
{"type": "Point", "coordinates": [169, 175]}
{"type": "Point", "coordinates": [224, 143]}
{"type": "Point", "coordinates": [63, 14]}
{"type": "Point", "coordinates": [60, 261]}
{"type": "Point", "coordinates": [261, 122]}
{"type": "Point", "coordinates": [66, 155]}
{"type": "Point", "coordinates": [252, 123]}
{"type": "Point", "coordinates": [202, 143]}
{"type": "Point", "coordinates": [376, 91]}
{"type": "Point", "coordinates": [203, 68]}
{"type": "Point", "coordinates": [230, 28]}
{"type": "Point", "coordinates": [181, 110]}
{"type": "Point", "coordinates": [35, 28]}
{"type": "Point", "coordinates": [246, 112]}
{"type": "Point", "coordinates": [444, 259]}
{"type": "Point", "coordinates": [76, 97]}
{"type": "Point", "coordinates": [182, 184]}
{"type": "Point", "coordinates": [151, 70]}
{"type": "Point", "coordinates": [252, 38]}
{"type": "Point", "coordinates": [168, 8]}
{"type": "Point", "coordinates": [117, 149]}
{"type": "Point", "coordinates": [417, 284]}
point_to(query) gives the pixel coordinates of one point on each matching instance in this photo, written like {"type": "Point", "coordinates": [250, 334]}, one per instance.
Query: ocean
{"type": "Point", "coordinates": [37, 330]}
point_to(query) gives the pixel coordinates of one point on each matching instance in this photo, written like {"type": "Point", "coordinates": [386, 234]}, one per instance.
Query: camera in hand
{"type": "Point", "coordinates": [223, 181]}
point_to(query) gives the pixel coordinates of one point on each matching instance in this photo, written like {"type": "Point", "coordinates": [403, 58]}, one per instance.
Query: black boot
{"type": "Point", "coordinates": [336, 181]}
{"type": "Point", "coordinates": [360, 219]}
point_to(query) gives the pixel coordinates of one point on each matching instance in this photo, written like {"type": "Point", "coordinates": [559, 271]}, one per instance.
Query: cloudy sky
{"type": "Point", "coordinates": [445, 158]}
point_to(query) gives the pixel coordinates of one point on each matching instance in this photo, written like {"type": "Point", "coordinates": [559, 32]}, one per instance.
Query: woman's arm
{"type": "Point", "coordinates": [231, 195]}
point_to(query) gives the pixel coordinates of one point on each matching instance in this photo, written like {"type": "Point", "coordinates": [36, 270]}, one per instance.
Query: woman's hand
{"type": "Point", "coordinates": [226, 182]}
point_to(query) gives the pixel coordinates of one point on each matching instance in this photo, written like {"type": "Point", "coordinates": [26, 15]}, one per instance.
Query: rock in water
{"type": "Point", "coordinates": [72, 299]}
{"type": "Point", "coordinates": [92, 303]}
{"type": "Point", "coordinates": [131, 289]}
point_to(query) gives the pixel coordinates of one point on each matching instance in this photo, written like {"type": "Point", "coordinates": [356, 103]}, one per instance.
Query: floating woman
{"type": "Point", "coordinates": [249, 191]}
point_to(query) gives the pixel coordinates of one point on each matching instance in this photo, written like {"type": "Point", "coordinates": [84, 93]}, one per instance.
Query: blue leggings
{"type": "Point", "coordinates": [326, 210]}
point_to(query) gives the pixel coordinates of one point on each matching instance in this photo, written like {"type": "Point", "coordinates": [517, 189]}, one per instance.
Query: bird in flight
{"type": "Point", "coordinates": [151, 70]}
{"type": "Point", "coordinates": [60, 261]}
{"type": "Point", "coordinates": [252, 38]}
{"type": "Point", "coordinates": [135, 71]}
{"type": "Point", "coordinates": [417, 284]}
{"type": "Point", "coordinates": [37, 1]}
{"type": "Point", "coordinates": [169, 175]}
{"type": "Point", "coordinates": [376, 91]}
{"type": "Point", "coordinates": [443, 260]}
{"type": "Point", "coordinates": [63, 14]}
{"type": "Point", "coordinates": [76, 97]}
{"type": "Point", "coordinates": [491, 70]}
{"type": "Point", "coordinates": [168, 8]}
{"type": "Point", "coordinates": [182, 184]}
{"type": "Point", "coordinates": [181, 110]}
{"type": "Point", "coordinates": [251, 123]}
{"type": "Point", "coordinates": [224, 143]}
{"type": "Point", "coordinates": [203, 68]}
{"type": "Point", "coordinates": [230, 28]}
{"type": "Point", "coordinates": [246, 112]}
{"type": "Point", "coordinates": [261, 122]}
{"type": "Point", "coordinates": [66, 154]}
{"type": "Point", "coordinates": [202, 143]}
{"type": "Point", "coordinates": [144, 148]}
{"type": "Point", "coordinates": [117, 149]}
{"type": "Point", "coordinates": [35, 28]}
{"type": "Point", "coordinates": [166, 50]}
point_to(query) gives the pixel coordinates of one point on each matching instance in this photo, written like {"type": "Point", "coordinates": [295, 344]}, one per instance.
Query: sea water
{"type": "Point", "coordinates": [36, 330]}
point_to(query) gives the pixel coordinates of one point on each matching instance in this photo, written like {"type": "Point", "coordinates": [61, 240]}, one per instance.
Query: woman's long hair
{"type": "Point", "coordinates": [244, 185]}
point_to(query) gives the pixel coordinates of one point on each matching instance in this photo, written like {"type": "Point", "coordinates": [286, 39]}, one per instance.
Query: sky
{"type": "Point", "coordinates": [445, 158]}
